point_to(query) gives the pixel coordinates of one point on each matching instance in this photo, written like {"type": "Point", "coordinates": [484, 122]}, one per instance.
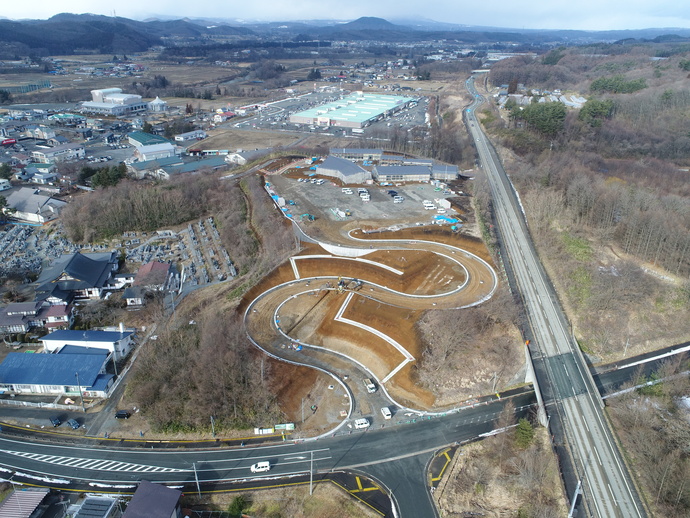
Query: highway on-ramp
{"type": "Point", "coordinates": [606, 484]}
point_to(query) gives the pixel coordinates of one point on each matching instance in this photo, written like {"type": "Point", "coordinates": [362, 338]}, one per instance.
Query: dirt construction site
{"type": "Point", "coordinates": [348, 302]}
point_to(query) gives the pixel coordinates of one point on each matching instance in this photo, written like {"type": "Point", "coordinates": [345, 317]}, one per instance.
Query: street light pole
{"type": "Point", "coordinates": [81, 394]}
{"type": "Point", "coordinates": [196, 477]}
{"type": "Point", "coordinates": [311, 473]}
{"type": "Point", "coordinates": [213, 427]}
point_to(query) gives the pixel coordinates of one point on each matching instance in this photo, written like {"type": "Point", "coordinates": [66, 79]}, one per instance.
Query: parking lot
{"type": "Point", "coordinates": [324, 201]}
{"type": "Point", "coordinates": [277, 116]}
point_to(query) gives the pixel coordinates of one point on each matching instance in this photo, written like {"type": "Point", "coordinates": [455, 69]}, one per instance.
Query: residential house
{"type": "Point", "coordinates": [20, 317]}
{"type": "Point", "coordinates": [157, 276]}
{"type": "Point", "coordinates": [118, 343]}
{"type": "Point", "coordinates": [58, 140]}
{"type": "Point", "coordinates": [222, 116]}
{"type": "Point", "coordinates": [29, 205]}
{"type": "Point", "coordinates": [59, 317]}
{"type": "Point", "coordinates": [242, 157]}
{"type": "Point", "coordinates": [68, 374]}
{"type": "Point", "coordinates": [63, 152]}
{"type": "Point", "coordinates": [40, 131]}
{"type": "Point", "coordinates": [154, 501]}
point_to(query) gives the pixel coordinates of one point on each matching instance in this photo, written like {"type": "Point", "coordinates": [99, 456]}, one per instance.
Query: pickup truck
{"type": "Point", "coordinates": [371, 388]}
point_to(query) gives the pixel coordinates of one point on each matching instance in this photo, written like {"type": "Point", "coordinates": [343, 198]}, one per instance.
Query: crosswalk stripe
{"type": "Point", "coordinates": [92, 464]}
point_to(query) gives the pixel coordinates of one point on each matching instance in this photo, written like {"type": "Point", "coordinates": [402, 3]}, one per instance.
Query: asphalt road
{"type": "Point", "coordinates": [608, 491]}
{"type": "Point", "coordinates": [394, 456]}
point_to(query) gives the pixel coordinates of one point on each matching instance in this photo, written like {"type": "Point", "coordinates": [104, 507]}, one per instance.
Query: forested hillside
{"type": "Point", "coordinates": [193, 371]}
{"type": "Point", "coordinates": [607, 186]}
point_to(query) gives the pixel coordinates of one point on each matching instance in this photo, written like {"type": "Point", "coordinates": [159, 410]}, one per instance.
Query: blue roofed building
{"type": "Point", "coordinates": [68, 374]}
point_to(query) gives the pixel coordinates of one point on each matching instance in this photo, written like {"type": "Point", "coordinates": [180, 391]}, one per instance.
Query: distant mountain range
{"type": "Point", "coordinates": [74, 33]}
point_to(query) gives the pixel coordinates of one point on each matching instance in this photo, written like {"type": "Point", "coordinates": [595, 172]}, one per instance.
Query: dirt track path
{"type": "Point", "coordinates": [265, 326]}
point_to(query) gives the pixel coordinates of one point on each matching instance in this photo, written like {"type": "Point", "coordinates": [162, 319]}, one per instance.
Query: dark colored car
{"type": "Point", "coordinates": [122, 414]}
{"type": "Point", "coordinates": [72, 423]}
{"type": "Point", "coordinates": [393, 193]}
{"type": "Point", "coordinates": [55, 421]}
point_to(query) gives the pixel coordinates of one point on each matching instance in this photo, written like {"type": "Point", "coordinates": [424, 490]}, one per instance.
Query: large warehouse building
{"type": "Point", "coordinates": [357, 110]}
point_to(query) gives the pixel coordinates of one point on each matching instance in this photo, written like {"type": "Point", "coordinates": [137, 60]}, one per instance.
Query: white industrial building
{"type": "Point", "coordinates": [111, 101]}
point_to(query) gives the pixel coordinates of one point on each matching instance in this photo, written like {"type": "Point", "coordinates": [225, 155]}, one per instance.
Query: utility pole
{"type": "Point", "coordinates": [213, 428]}
{"type": "Point", "coordinates": [81, 394]}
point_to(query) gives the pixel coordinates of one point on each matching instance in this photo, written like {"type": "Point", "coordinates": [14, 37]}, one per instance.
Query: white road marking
{"type": "Point", "coordinates": [94, 464]}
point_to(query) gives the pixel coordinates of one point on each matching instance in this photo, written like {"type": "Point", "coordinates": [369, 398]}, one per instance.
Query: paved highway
{"type": "Point", "coordinates": [607, 488]}
{"type": "Point", "coordinates": [387, 453]}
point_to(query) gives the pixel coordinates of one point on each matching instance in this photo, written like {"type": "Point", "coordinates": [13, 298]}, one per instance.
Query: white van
{"type": "Point", "coordinates": [386, 412]}
{"type": "Point", "coordinates": [362, 423]}
{"type": "Point", "coordinates": [398, 199]}
{"type": "Point", "coordinates": [260, 467]}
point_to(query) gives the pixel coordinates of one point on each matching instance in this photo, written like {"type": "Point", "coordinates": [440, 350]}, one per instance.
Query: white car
{"type": "Point", "coordinates": [362, 423]}
{"type": "Point", "coordinates": [260, 467]}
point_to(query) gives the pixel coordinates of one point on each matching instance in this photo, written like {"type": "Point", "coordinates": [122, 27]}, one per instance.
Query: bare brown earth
{"type": "Point", "coordinates": [309, 309]}
{"type": "Point", "coordinates": [234, 139]}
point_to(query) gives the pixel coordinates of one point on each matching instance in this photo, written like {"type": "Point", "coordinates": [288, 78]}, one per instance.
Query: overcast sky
{"type": "Point", "coordinates": [532, 14]}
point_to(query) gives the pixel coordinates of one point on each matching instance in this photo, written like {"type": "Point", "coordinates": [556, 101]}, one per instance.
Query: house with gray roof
{"type": "Point", "coordinates": [154, 501]}
{"type": "Point", "coordinates": [32, 206]}
{"type": "Point", "coordinates": [20, 317]}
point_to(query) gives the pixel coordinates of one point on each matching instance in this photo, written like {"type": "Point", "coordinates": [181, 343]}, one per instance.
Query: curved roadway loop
{"type": "Point", "coordinates": [262, 318]}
